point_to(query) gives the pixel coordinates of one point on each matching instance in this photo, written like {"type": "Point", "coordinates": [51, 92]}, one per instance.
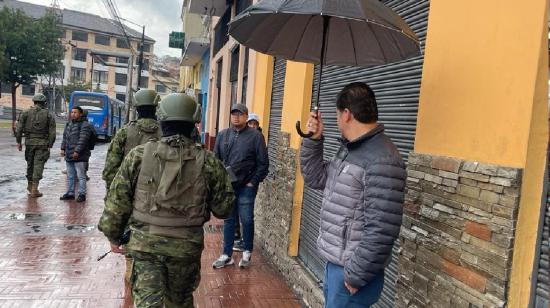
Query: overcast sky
{"type": "Point", "coordinates": [160, 17]}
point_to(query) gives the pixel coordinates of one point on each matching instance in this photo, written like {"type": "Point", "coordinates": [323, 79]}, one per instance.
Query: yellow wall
{"type": "Point", "coordinates": [484, 98]}
{"type": "Point", "coordinates": [296, 106]}
{"type": "Point", "coordinates": [262, 90]}
{"type": "Point", "coordinates": [479, 78]}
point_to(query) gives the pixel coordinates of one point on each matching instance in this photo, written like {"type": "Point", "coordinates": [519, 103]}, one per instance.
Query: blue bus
{"type": "Point", "coordinates": [105, 113]}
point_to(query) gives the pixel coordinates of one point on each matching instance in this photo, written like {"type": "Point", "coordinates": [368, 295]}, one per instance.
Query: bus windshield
{"type": "Point", "coordinates": [91, 103]}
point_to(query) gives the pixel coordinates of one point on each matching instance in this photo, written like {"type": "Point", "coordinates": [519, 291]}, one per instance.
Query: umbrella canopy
{"type": "Point", "coordinates": [356, 32]}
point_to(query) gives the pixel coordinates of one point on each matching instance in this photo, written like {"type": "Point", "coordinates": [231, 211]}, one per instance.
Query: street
{"type": "Point", "coordinates": [48, 256]}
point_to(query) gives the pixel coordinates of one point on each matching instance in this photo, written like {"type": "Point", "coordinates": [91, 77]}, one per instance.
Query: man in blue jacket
{"type": "Point", "coordinates": [362, 206]}
{"type": "Point", "coordinates": [244, 154]}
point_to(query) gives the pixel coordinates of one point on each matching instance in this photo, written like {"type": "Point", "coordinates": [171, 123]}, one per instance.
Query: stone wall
{"type": "Point", "coordinates": [457, 234]}
{"type": "Point", "coordinates": [273, 217]}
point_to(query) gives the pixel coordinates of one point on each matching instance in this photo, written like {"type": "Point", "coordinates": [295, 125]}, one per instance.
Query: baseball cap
{"type": "Point", "coordinates": [239, 107]}
{"type": "Point", "coordinates": [253, 117]}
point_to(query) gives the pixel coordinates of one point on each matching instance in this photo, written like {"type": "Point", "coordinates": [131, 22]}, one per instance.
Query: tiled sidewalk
{"type": "Point", "coordinates": [49, 250]}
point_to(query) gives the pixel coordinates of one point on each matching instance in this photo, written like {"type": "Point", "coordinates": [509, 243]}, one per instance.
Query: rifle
{"type": "Point", "coordinates": [123, 240]}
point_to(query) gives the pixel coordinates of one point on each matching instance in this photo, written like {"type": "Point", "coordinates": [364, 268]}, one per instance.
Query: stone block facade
{"type": "Point", "coordinates": [273, 218]}
{"type": "Point", "coordinates": [458, 233]}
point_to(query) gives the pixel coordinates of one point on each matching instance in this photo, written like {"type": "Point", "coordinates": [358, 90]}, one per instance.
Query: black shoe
{"type": "Point", "coordinates": [81, 198]}
{"type": "Point", "coordinates": [67, 197]}
{"type": "Point", "coordinates": [87, 178]}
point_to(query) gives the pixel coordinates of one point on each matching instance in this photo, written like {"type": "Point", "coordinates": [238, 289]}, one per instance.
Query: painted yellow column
{"type": "Point", "coordinates": [262, 90]}
{"type": "Point", "coordinates": [484, 98]}
{"type": "Point", "coordinates": [296, 106]}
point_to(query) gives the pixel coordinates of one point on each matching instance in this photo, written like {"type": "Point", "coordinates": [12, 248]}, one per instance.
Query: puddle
{"type": "Point", "coordinates": [30, 216]}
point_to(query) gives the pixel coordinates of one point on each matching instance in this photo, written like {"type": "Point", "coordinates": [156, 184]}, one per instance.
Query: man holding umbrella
{"type": "Point", "coordinates": [363, 199]}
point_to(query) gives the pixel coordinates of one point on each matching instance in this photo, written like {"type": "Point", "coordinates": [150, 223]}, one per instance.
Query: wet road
{"type": "Point", "coordinates": [49, 248]}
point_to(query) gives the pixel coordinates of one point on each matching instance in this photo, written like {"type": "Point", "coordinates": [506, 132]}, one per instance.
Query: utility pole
{"type": "Point", "coordinates": [129, 90]}
{"type": "Point", "coordinates": [140, 61]}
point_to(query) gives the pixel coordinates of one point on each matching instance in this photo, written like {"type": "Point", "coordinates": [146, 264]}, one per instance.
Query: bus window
{"type": "Point", "coordinates": [90, 103]}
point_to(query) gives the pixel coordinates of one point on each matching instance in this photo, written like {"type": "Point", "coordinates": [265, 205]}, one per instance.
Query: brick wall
{"type": "Point", "coordinates": [273, 216]}
{"type": "Point", "coordinates": [457, 234]}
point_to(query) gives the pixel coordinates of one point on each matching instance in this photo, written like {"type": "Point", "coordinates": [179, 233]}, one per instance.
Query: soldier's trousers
{"type": "Point", "coordinates": [36, 157]}
{"type": "Point", "coordinates": [162, 281]}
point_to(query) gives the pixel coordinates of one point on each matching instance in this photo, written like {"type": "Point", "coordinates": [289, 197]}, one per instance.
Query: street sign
{"type": "Point", "coordinates": [176, 40]}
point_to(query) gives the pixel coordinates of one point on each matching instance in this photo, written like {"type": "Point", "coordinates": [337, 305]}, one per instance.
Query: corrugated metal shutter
{"type": "Point", "coordinates": [397, 88]}
{"type": "Point", "coordinates": [276, 109]}
{"type": "Point", "coordinates": [541, 292]}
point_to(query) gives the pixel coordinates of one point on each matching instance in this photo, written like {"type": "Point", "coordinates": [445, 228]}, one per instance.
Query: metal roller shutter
{"type": "Point", "coordinates": [397, 88]}
{"type": "Point", "coordinates": [276, 109]}
{"type": "Point", "coordinates": [541, 292]}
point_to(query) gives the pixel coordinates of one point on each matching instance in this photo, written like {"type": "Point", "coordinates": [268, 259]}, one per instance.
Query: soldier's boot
{"type": "Point", "coordinates": [29, 186]}
{"type": "Point", "coordinates": [34, 191]}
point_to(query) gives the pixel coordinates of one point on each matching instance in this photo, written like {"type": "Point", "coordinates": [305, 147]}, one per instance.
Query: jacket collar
{"type": "Point", "coordinates": [366, 137]}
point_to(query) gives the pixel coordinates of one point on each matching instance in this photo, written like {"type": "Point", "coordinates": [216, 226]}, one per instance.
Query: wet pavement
{"type": "Point", "coordinates": [49, 251]}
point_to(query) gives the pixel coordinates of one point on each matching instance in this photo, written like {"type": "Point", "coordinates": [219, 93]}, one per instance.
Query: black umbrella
{"type": "Point", "coordinates": [332, 32]}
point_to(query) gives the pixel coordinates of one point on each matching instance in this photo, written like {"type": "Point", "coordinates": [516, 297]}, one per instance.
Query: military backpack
{"type": "Point", "coordinates": [140, 133]}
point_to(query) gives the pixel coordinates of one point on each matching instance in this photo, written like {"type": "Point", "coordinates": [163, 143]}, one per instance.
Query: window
{"type": "Point", "coordinates": [28, 90]}
{"type": "Point", "coordinates": [245, 76]}
{"type": "Point", "coordinates": [100, 77]}
{"type": "Point", "coordinates": [80, 36]}
{"type": "Point", "coordinates": [122, 43]}
{"type": "Point", "coordinates": [121, 79]}
{"type": "Point", "coordinates": [144, 82]}
{"type": "Point", "coordinates": [234, 73]}
{"type": "Point", "coordinates": [79, 54]}
{"type": "Point", "coordinates": [242, 5]}
{"type": "Point", "coordinates": [78, 74]}
{"type": "Point", "coordinates": [122, 60]}
{"type": "Point", "coordinates": [121, 97]}
{"type": "Point", "coordinates": [102, 40]}
{"type": "Point", "coordinates": [160, 88]}
{"type": "Point", "coordinates": [221, 31]}
{"type": "Point", "coordinates": [6, 88]}
{"type": "Point", "coordinates": [145, 66]}
{"type": "Point", "coordinates": [101, 57]}
{"type": "Point", "coordinates": [146, 47]}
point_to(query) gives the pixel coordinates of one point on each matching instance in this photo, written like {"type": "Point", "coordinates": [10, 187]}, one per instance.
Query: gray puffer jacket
{"type": "Point", "coordinates": [76, 138]}
{"type": "Point", "coordinates": [362, 205]}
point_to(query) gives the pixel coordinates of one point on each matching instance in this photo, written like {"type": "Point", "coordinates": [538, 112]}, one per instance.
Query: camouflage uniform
{"type": "Point", "coordinates": [166, 268]}
{"type": "Point", "coordinates": [126, 139]}
{"type": "Point", "coordinates": [39, 138]}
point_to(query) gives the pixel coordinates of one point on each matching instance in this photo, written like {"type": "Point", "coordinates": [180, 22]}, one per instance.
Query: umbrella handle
{"type": "Point", "coordinates": [301, 133]}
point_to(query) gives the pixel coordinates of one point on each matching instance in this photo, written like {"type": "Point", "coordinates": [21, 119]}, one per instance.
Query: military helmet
{"type": "Point", "coordinates": [146, 97]}
{"type": "Point", "coordinates": [179, 107]}
{"type": "Point", "coordinates": [39, 98]}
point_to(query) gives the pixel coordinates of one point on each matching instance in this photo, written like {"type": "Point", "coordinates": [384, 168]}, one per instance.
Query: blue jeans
{"type": "Point", "coordinates": [337, 295]}
{"type": "Point", "coordinates": [78, 170]}
{"type": "Point", "coordinates": [243, 208]}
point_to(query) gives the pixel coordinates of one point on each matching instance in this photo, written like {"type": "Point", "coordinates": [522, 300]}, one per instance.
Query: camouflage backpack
{"type": "Point", "coordinates": [38, 121]}
{"type": "Point", "coordinates": [139, 133]}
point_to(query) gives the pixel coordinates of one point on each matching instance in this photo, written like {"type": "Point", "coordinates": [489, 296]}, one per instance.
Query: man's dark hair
{"type": "Point", "coordinates": [170, 128]}
{"type": "Point", "coordinates": [79, 109]}
{"type": "Point", "coordinates": [359, 98]}
{"type": "Point", "coordinates": [146, 112]}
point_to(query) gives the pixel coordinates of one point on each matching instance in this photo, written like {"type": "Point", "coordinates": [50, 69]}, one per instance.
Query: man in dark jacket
{"type": "Point", "coordinates": [75, 149]}
{"type": "Point", "coordinates": [362, 210]}
{"type": "Point", "coordinates": [244, 154]}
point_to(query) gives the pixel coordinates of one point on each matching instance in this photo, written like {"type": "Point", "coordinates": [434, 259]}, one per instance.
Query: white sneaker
{"type": "Point", "coordinates": [245, 261]}
{"type": "Point", "coordinates": [222, 261]}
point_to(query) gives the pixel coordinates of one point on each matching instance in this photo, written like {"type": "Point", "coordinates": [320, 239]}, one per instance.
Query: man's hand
{"type": "Point", "coordinates": [249, 185]}
{"type": "Point", "coordinates": [62, 153]}
{"type": "Point", "coordinates": [116, 249]}
{"type": "Point", "coordinates": [351, 289]}
{"type": "Point", "coordinates": [19, 147]}
{"type": "Point", "coordinates": [75, 155]}
{"type": "Point", "coordinates": [315, 125]}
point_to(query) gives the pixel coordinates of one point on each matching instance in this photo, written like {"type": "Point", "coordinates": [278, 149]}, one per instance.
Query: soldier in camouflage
{"type": "Point", "coordinates": [133, 134]}
{"type": "Point", "coordinates": [37, 125]}
{"type": "Point", "coordinates": [164, 191]}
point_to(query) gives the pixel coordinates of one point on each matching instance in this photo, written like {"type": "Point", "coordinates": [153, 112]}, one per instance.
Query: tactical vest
{"type": "Point", "coordinates": [38, 122]}
{"type": "Point", "coordinates": [139, 133]}
{"type": "Point", "coordinates": [171, 189]}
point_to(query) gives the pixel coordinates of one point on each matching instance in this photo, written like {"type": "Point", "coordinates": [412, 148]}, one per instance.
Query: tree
{"type": "Point", "coordinates": [75, 85]}
{"type": "Point", "coordinates": [32, 48]}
